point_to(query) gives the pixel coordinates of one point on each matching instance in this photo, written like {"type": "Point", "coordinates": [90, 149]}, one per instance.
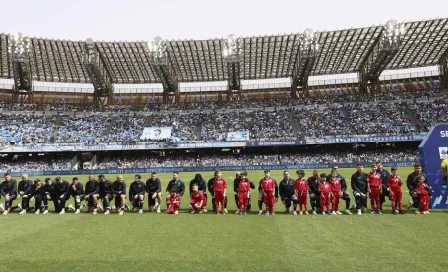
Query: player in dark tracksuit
{"type": "Point", "coordinates": [105, 192]}
{"type": "Point", "coordinates": [119, 192]}
{"type": "Point", "coordinates": [62, 195]}
{"type": "Point", "coordinates": [154, 190]}
{"type": "Point", "coordinates": [24, 190]}
{"type": "Point", "coordinates": [359, 187]}
{"type": "Point", "coordinates": [384, 178]}
{"type": "Point", "coordinates": [175, 185]}
{"type": "Point", "coordinates": [9, 191]}
{"type": "Point", "coordinates": [345, 194]}
{"type": "Point", "coordinates": [91, 194]}
{"type": "Point", "coordinates": [77, 192]}
{"type": "Point", "coordinates": [137, 194]}
{"type": "Point", "coordinates": [412, 183]}
{"type": "Point", "coordinates": [313, 183]}
{"type": "Point", "coordinates": [202, 186]}
{"type": "Point", "coordinates": [38, 193]}
{"type": "Point", "coordinates": [287, 191]}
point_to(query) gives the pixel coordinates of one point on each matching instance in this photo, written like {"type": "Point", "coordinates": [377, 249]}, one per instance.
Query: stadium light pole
{"type": "Point", "coordinates": [231, 57]}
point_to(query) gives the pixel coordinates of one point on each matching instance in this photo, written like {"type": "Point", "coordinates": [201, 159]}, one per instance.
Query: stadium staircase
{"type": "Point", "coordinates": [57, 124]}
{"type": "Point", "coordinates": [295, 124]}
{"type": "Point", "coordinates": [412, 117]}
{"type": "Point", "coordinates": [148, 121]}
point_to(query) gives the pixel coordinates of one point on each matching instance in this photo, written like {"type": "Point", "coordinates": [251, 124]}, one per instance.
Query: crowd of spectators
{"type": "Point", "coordinates": [280, 119]}
{"type": "Point", "coordinates": [430, 113]}
{"type": "Point", "coordinates": [310, 157]}
{"type": "Point", "coordinates": [24, 163]}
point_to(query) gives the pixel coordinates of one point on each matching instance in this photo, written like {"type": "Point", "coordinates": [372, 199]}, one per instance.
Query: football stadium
{"type": "Point", "coordinates": [314, 150]}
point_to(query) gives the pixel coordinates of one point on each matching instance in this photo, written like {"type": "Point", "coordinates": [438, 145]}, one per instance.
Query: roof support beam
{"type": "Point", "coordinates": [304, 62]}
{"type": "Point", "coordinates": [20, 51]}
{"type": "Point", "coordinates": [164, 70]}
{"type": "Point", "coordinates": [97, 71]}
{"type": "Point", "coordinates": [232, 59]}
{"type": "Point", "coordinates": [384, 49]}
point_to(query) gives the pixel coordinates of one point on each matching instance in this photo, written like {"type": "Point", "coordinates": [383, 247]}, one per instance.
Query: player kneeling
{"type": "Point", "coordinates": [77, 192]}
{"type": "Point", "coordinates": [325, 194]}
{"type": "Point", "coordinates": [173, 202]}
{"type": "Point", "coordinates": [395, 194]}
{"type": "Point", "coordinates": [198, 202]}
{"type": "Point", "coordinates": [137, 194]}
{"type": "Point", "coordinates": [424, 194]}
{"type": "Point", "coordinates": [119, 191]}
{"type": "Point", "coordinates": [154, 190]}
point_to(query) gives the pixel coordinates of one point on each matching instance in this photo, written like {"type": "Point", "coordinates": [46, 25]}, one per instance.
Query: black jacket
{"type": "Point", "coordinates": [202, 187]}
{"type": "Point", "coordinates": [25, 187]}
{"type": "Point", "coordinates": [286, 188]}
{"type": "Point", "coordinates": [105, 187]}
{"type": "Point", "coordinates": [412, 182]}
{"type": "Point", "coordinates": [313, 183]}
{"type": "Point", "coordinates": [153, 186]}
{"type": "Point", "coordinates": [63, 188]}
{"type": "Point", "coordinates": [78, 191]}
{"type": "Point", "coordinates": [210, 186]}
{"type": "Point", "coordinates": [9, 187]}
{"type": "Point", "coordinates": [359, 182]}
{"type": "Point", "coordinates": [136, 188]}
{"type": "Point", "coordinates": [119, 188]}
{"type": "Point", "coordinates": [50, 189]}
{"type": "Point", "coordinates": [384, 177]}
{"type": "Point", "coordinates": [92, 187]}
{"type": "Point", "coordinates": [178, 187]}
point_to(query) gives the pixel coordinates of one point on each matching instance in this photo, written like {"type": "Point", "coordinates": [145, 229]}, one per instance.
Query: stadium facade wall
{"type": "Point", "coordinates": [200, 169]}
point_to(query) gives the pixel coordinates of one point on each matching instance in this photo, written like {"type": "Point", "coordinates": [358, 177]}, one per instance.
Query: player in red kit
{"type": "Point", "coordinates": [424, 194]}
{"type": "Point", "coordinates": [374, 185]}
{"type": "Point", "coordinates": [325, 194]}
{"type": "Point", "coordinates": [173, 202]}
{"type": "Point", "coordinates": [394, 183]}
{"type": "Point", "coordinates": [243, 193]}
{"type": "Point", "coordinates": [268, 190]}
{"type": "Point", "coordinates": [198, 202]}
{"type": "Point", "coordinates": [336, 191]}
{"type": "Point", "coordinates": [301, 188]}
{"type": "Point", "coordinates": [219, 188]}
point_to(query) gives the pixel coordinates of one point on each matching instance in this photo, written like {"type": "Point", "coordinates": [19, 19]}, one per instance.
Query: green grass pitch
{"type": "Point", "coordinates": [208, 242]}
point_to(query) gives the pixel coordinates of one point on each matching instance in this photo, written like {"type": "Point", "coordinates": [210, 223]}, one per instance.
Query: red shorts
{"type": "Point", "coordinates": [243, 199]}
{"type": "Point", "coordinates": [325, 201]}
{"type": "Point", "coordinates": [375, 194]}
{"type": "Point", "coordinates": [193, 203]}
{"type": "Point", "coordinates": [219, 198]}
{"type": "Point", "coordinates": [173, 208]}
{"type": "Point", "coordinates": [335, 198]}
{"type": "Point", "coordinates": [302, 197]}
{"type": "Point", "coordinates": [396, 194]}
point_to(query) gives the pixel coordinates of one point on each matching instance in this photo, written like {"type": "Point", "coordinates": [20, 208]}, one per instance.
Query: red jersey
{"type": "Point", "coordinates": [244, 186]}
{"type": "Point", "coordinates": [324, 188]}
{"type": "Point", "coordinates": [394, 182]}
{"type": "Point", "coordinates": [268, 185]}
{"type": "Point", "coordinates": [335, 184]}
{"type": "Point", "coordinates": [219, 185]}
{"type": "Point", "coordinates": [423, 189]}
{"type": "Point", "coordinates": [301, 185]}
{"type": "Point", "coordinates": [174, 198]}
{"type": "Point", "coordinates": [374, 180]}
{"type": "Point", "coordinates": [198, 196]}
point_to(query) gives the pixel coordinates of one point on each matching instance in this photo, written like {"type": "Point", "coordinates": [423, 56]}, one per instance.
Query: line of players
{"type": "Point", "coordinates": [322, 190]}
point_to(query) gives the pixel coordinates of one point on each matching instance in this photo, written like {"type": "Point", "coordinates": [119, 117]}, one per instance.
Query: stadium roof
{"type": "Point", "coordinates": [262, 57]}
